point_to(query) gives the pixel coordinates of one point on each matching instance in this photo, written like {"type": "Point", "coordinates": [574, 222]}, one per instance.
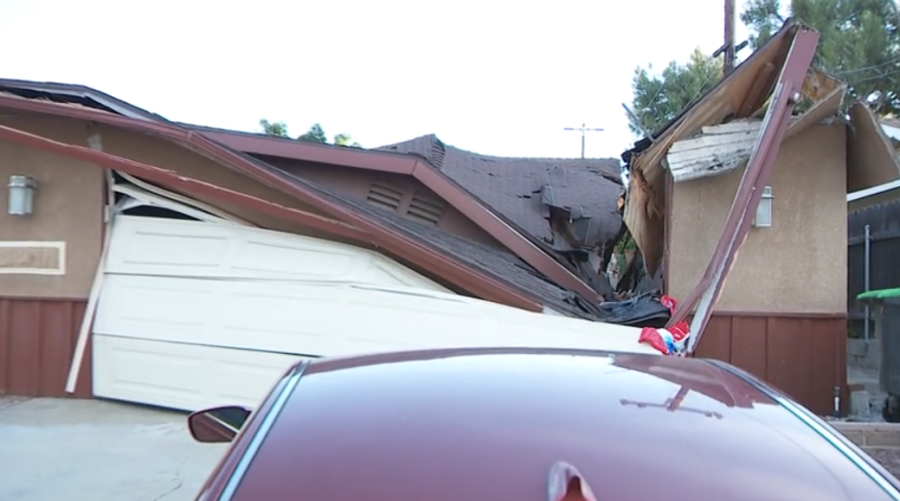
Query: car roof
{"type": "Point", "coordinates": [483, 424]}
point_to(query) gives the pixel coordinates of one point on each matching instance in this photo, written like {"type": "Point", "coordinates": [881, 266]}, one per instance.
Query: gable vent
{"type": "Point", "coordinates": [426, 209]}
{"type": "Point", "coordinates": [385, 197]}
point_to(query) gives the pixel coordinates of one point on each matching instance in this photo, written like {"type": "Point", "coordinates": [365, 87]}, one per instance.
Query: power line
{"type": "Point", "coordinates": [867, 68]}
{"type": "Point", "coordinates": [583, 130]}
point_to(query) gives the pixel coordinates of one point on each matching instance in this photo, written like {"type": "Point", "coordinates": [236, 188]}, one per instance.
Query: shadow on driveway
{"type": "Point", "coordinates": [52, 449]}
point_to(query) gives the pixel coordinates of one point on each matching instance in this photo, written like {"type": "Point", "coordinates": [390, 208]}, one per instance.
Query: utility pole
{"type": "Point", "coordinates": [583, 130]}
{"type": "Point", "coordinates": [729, 37]}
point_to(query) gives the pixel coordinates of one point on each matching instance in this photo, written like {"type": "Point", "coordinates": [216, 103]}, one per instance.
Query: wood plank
{"type": "Point", "coordinates": [716, 342]}
{"type": "Point", "coordinates": [786, 359]}
{"type": "Point", "coordinates": [748, 344]}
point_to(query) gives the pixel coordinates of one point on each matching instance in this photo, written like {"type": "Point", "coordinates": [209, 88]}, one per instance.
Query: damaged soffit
{"type": "Point", "coordinates": [720, 148]}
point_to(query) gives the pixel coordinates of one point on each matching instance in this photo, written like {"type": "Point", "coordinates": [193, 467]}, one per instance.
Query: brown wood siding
{"type": "Point", "coordinates": [803, 355]}
{"type": "Point", "coordinates": [37, 339]}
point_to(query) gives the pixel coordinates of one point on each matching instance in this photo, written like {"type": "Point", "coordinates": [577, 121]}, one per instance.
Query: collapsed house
{"type": "Point", "coordinates": [185, 267]}
{"type": "Point", "coordinates": [569, 207]}
{"type": "Point", "coordinates": [739, 205]}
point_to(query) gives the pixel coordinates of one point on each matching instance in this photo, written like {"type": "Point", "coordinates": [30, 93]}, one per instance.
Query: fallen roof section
{"type": "Point", "coordinates": [525, 190]}
{"type": "Point", "coordinates": [499, 264]}
{"type": "Point", "coordinates": [786, 95]}
{"type": "Point", "coordinates": [739, 95]}
{"type": "Point", "coordinates": [421, 170]}
{"type": "Point", "coordinates": [352, 224]}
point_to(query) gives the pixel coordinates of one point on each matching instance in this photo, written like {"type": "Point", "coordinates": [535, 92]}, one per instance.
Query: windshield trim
{"type": "Point", "coordinates": [821, 428]}
{"type": "Point", "coordinates": [265, 427]}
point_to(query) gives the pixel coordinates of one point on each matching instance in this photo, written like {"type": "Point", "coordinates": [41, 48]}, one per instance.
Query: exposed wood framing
{"type": "Point", "coordinates": [716, 150]}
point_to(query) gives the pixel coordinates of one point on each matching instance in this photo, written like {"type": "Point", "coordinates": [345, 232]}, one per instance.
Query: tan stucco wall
{"type": "Point", "coordinates": [166, 154]}
{"type": "Point", "coordinates": [798, 265]}
{"type": "Point", "coordinates": [68, 207]}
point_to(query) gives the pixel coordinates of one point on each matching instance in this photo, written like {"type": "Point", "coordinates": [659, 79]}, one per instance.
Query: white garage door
{"type": "Point", "coordinates": [190, 317]}
{"type": "Point", "coordinates": [159, 247]}
{"type": "Point", "coordinates": [176, 291]}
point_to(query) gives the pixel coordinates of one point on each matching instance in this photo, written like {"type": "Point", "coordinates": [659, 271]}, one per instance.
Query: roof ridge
{"type": "Point", "coordinates": [438, 151]}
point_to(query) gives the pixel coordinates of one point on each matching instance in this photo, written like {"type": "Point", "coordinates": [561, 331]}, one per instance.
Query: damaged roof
{"type": "Point", "coordinates": [514, 278]}
{"type": "Point", "coordinates": [533, 251]}
{"type": "Point", "coordinates": [501, 264]}
{"type": "Point", "coordinates": [742, 94]}
{"type": "Point", "coordinates": [524, 189]}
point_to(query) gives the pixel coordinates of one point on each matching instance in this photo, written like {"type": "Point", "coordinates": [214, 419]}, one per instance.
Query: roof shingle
{"type": "Point", "coordinates": [501, 264]}
{"type": "Point", "coordinates": [515, 187]}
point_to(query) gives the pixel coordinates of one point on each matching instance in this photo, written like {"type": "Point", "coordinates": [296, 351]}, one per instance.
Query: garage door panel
{"type": "Point", "coordinates": [144, 307]}
{"type": "Point", "coordinates": [330, 320]}
{"type": "Point", "coordinates": [299, 259]}
{"type": "Point", "coordinates": [161, 247]}
{"type": "Point", "coordinates": [284, 318]}
{"type": "Point", "coordinates": [183, 376]}
{"type": "Point", "coordinates": [146, 246]}
{"type": "Point", "coordinates": [384, 271]}
{"type": "Point", "coordinates": [142, 245]}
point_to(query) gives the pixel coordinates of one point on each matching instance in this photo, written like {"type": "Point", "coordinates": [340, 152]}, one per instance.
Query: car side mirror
{"type": "Point", "coordinates": [218, 424]}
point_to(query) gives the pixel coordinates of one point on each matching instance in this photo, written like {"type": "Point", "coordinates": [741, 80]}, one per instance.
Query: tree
{"type": "Point", "coordinates": [659, 98]}
{"type": "Point", "coordinates": [344, 139]}
{"type": "Point", "coordinates": [859, 43]}
{"type": "Point", "coordinates": [277, 129]}
{"type": "Point", "coordinates": [315, 134]}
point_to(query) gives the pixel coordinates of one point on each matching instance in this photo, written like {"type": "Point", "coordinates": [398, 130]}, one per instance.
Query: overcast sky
{"type": "Point", "coordinates": [492, 76]}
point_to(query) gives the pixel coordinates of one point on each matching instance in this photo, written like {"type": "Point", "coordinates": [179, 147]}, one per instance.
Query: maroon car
{"type": "Point", "coordinates": [530, 425]}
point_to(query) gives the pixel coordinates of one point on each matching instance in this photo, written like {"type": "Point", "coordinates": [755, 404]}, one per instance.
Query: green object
{"type": "Point", "coordinates": [879, 295]}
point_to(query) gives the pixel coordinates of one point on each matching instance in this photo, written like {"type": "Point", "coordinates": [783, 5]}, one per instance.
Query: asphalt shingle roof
{"type": "Point", "coordinates": [498, 263]}
{"type": "Point", "coordinates": [512, 187]}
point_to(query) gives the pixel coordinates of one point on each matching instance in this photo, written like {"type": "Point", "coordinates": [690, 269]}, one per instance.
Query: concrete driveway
{"type": "Point", "coordinates": [52, 449]}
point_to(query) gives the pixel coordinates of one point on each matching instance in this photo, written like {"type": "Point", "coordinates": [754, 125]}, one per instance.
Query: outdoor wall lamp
{"type": "Point", "coordinates": [21, 195]}
{"type": "Point", "coordinates": [763, 217]}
